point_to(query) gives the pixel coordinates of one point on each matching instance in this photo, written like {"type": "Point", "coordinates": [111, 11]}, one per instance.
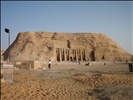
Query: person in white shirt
{"type": "Point", "coordinates": [49, 64]}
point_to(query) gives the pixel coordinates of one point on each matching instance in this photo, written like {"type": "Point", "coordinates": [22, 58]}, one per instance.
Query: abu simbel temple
{"type": "Point", "coordinates": [54, 46]}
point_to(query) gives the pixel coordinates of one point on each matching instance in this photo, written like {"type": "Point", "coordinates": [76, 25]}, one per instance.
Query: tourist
{"type": "Point", "coordinates": [49, 64]}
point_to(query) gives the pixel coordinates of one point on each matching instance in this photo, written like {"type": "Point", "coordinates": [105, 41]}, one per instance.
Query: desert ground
{"type": "Point", "coordinates": [73, 81]}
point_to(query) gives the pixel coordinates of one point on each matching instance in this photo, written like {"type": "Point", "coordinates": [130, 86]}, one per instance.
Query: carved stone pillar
{"type": "Point", "coordinates": [73, 55]}
{"type": "Point", "coordinates": [79, 59]}
{"type": "Point", "coordinates": [65, 54]}
{"type": "Point", "coordinates": [81, 55]}
{"type": "Point", "coordinates": [60, 51]}
{"type": "Point", "coordinates": [85, 55]}
{"type": "Point", "coordinates": [57, 54]}
{"type": "Point", "coordinates": [76, 55]}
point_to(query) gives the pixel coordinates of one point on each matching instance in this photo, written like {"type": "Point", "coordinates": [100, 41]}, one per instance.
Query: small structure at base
{"type": "Point", "coordinates": [27, 65]}
{"type": "Point", "coordinates": [7, 73]}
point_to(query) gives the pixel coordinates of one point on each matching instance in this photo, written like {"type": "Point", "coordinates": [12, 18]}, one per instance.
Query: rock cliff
{"type": "Point", "coordinates": [42, 46]}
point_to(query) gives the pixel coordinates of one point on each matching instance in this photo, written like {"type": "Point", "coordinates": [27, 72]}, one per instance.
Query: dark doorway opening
{"type": "Point", "coordinates": [92, 55]}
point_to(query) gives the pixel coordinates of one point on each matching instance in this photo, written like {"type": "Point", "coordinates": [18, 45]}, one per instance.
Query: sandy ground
{"type": "Point", "coordinates": [71, 82]}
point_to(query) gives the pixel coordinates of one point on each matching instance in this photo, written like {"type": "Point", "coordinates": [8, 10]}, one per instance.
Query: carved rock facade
{"type": "Point", "coordinates": [43, 46]}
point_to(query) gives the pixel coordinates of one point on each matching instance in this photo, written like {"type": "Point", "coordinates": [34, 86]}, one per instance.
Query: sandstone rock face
{"type": "Point", "coordinates": [44, 46]}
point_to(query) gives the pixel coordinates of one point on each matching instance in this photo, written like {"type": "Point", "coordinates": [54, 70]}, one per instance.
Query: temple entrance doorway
{"type": "Point", "coordinates": [92, 55]}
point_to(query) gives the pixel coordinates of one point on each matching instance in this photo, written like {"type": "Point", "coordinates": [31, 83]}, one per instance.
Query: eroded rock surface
{"type": "Point", "coordinates": [42, 46]}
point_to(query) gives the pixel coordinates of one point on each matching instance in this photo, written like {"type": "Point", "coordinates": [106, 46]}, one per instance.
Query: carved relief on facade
{"type": "Point", "coordinates": [71, 54]}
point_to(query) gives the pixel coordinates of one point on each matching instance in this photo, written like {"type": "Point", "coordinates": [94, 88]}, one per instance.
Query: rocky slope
{"type": "Point", "coordinates": [29, 46]}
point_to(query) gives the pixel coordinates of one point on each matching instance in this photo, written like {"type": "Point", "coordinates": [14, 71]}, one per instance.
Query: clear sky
{"type": "Point", "coordinates": [112, 18]}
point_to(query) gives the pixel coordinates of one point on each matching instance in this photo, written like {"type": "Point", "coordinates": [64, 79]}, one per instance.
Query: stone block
{"type": "Point", "coordinates": [7, 73]}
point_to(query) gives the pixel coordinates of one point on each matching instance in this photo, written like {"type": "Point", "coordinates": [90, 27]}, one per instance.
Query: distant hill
{"type": "Point", "coordinates": [42, 46]}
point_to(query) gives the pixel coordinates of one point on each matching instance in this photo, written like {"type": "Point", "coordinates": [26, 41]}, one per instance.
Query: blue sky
{"type": "Point", "coordinates": [112, 18]}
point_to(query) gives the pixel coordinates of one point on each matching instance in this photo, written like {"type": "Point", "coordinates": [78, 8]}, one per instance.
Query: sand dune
{"type": "Point", "coordinates": [71, 83]}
